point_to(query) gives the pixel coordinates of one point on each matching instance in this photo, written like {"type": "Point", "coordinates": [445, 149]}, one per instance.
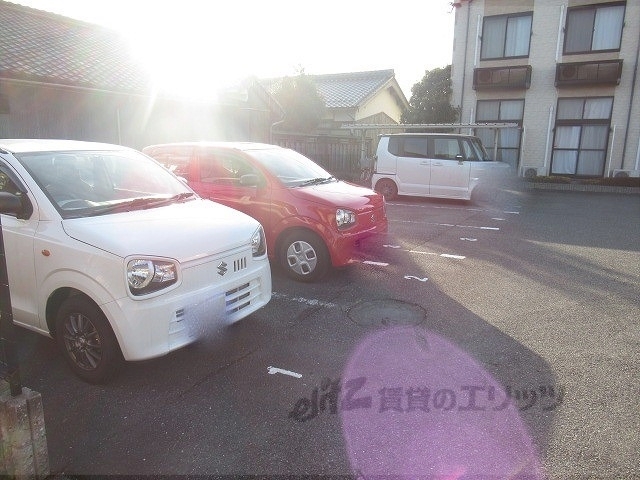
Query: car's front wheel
{"type": "Point", "coordinates": [86, 340]}
{"type": "Point", "coordinates": [304, 256]}
{"type": "Point", "coordinates": [387, 188]}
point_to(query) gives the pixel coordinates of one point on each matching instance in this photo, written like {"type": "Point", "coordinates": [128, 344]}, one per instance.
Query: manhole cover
{"type": "Point", "coordinates": [386, 313]}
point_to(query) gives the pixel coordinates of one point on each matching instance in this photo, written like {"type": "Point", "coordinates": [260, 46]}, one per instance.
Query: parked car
{"type": "Point", "coordinates": [312, 220]}
{"type": "Point", "coordinates": [433, 165]}
{"type": "Point", "coordinates": [116, 258]}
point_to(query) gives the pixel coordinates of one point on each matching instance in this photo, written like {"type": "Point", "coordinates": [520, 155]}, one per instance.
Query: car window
{"type": "Point", "coordinates": [177, 160]}
{"type": "Point", "coordinates": [446, 148]}
{"type": "Point", "coordinates": [477, 145]}
{"type": "Point", "coordinates": [394, 145]}
{"type": "Point", "coordinates": [220, 168]}
{"type": "Point", "coordinates": [289, 166]}
{"type": "Point", "coordinates": [7, 185]}
{"type": "Point", "coordinates": [82, 183]}
{"type": "Point", "coordinates": [470, 153]}
{"type": "Point", "coordinates": [415, 147]}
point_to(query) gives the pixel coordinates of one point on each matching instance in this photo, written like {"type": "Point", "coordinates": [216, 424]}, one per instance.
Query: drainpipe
{"type": "Point", "coordinates": [273, 125]}
{"type": "Point", "coordinates": [633, 90]}
{"type": "Point", "coordinates": [546, 148]}
{"type": "Point", "coordinates": [464, 64]}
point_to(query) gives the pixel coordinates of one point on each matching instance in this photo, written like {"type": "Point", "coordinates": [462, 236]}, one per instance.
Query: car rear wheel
{"type": "Point", "coordinates": [304, 256]}
{"type": "Point", "coordinates": [86, 340]}
{"type": "Point", "coordinates": [387, 188]}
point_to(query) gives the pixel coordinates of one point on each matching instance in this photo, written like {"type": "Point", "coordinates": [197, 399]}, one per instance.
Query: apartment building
{"type": "Point", "coordinates": [564, 71]}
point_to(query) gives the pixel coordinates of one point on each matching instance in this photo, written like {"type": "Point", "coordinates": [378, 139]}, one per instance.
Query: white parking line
{"type": "Point", "coordinates": [378, 264]}
{"type": "Point", "coordinates": [274, 370]}
{"type": "Point", "coordinates": [307, 301]}
{"type": "Point", "coordinates": [445, 224]}
{"type": "Point", "coordinates": [419, 252]}
{"type": "Point", "coordinates": [472, 209]}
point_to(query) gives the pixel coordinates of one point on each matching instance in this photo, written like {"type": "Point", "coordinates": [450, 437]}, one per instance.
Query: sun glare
{"type": "Point", "coordinates": [194, 48]}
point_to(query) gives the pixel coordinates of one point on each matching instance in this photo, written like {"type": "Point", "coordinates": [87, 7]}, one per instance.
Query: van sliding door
{"type": "Point", "coordinates": [450, 169]}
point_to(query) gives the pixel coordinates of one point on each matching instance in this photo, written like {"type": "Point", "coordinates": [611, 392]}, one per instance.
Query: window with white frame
{"type": "Point", "coordinates": [506, 36]}
{"type": "Point", "coordinates": [581, 136]}
{"type": "Point", "coordinates": [594, 28]}
{"type": "Point", "coordinates": [501, 111]}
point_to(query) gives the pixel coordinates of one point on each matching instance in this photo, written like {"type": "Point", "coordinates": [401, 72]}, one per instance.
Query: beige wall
{"type": "Point", "coordinates": [384, 101]}
{"type": "Point", "coordinates": [541, 97]}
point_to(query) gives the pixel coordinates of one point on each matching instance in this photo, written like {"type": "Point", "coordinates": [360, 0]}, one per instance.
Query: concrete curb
{"type": "Point", "coordinates": [577, 187]}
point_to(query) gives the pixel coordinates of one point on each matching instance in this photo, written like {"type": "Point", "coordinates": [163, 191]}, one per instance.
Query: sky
{"type": "Point", "coordinates": [199, 46]}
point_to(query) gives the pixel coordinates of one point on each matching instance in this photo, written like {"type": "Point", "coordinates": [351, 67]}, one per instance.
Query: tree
{"type": "Point", "coordinates": [302, 103]}
{"type": "Point", "coordinates": [431, 99]}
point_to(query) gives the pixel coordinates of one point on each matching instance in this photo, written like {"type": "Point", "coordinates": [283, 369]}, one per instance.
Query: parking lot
{"type": "Point", "coordinates": [495, 338]}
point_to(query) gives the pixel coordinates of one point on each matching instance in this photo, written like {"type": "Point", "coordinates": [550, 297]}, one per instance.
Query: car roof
{"type": "Point", "coordinates": [24, 145]}
{"type": "Point", "coordinates": [214, 144]}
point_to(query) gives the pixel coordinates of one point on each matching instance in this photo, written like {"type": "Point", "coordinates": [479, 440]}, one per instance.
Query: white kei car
{"type": "Point", "coordinates": [436, 165]}
{"type": "Point", "coordinates": [117, 258]}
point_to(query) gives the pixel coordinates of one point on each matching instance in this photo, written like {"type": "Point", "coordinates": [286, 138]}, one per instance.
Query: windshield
{"type": "Point", "coordinates": [87, 183]}
{"type": "Point", "coordinates": [292, 168]}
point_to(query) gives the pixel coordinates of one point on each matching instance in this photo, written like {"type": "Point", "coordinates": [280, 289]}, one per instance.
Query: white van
{"type": "Point", "coordinates": [432, 165]}
{"type": "Point", "coordinates": [116, 258]}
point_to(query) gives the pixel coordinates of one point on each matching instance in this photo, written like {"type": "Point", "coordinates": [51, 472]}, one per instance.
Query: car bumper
{"type": "Point", "coordinates": [344, 245]}
{"type": "Point", "coordinates": [153, 327]}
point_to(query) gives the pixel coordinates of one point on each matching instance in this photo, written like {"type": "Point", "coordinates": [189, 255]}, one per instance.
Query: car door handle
{"type": "Point", "coordinates": [437, 164]}
{"type": "Point", "coordinates": [425, 163]}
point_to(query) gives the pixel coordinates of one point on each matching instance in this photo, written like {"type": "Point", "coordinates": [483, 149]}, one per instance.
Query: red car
{"type": "Point", "coordinates": [312, 220]}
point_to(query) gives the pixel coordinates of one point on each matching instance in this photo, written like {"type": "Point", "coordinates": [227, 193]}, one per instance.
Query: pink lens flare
{"type": "Point", "coordinates": [415, 404]}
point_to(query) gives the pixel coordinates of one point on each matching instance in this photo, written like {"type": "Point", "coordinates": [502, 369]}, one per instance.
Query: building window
{"type": "Point", "coordinates": [501, 111]}
{"type": "Point", "coordinates": [595, 28]}
{"type": "Point", "coordinates": [506, 36]}
{"type": "Point", "coordinates": [581, 136]}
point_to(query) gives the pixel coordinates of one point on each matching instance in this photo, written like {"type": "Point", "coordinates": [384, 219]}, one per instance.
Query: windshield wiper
{"type": "Point", "coordinates": [316, 181]}
{"type": "Point", "coordinates": [141, 203]}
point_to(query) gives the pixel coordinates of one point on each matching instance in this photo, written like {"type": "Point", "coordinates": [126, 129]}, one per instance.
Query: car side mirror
{"type": "Point", "coordinates": [249, 180]}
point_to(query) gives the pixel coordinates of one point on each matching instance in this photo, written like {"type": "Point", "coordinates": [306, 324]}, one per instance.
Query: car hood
{"type": "Point", "coordinates": [340, 194]}
{"type": "Point", "coordinates": [183, 231]}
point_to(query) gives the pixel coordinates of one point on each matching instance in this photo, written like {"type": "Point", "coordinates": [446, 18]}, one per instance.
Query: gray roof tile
{"type": "Point", "coordinates": [49, 48]}
{"type": "Point", "coordinates": [348, 90]}
{"type": "Point", "coordinates": [343, 90]}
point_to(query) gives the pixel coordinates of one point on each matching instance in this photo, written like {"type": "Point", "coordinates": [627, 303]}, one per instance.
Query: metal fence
{"type": "Point", "coordinates": [339, 155]}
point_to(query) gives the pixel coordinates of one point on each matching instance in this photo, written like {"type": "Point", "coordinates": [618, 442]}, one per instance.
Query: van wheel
{"type": "Point", "coordinates": [304, 256]}
{"type": "Point", "coordinates": [387, 188]}
{"type": "Point", "coordinates": [86, 340]}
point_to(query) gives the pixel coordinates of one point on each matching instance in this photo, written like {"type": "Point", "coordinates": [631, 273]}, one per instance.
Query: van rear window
{"type": "Point", "coordinates": [394, 145]}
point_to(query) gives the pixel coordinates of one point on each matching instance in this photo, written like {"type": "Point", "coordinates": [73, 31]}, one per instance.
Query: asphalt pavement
{"type": "Point", "coordinates": [495, 339]}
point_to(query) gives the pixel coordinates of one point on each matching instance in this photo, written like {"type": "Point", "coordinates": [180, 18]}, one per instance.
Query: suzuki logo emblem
{"type": "Point", "coordinates": [222, 269]}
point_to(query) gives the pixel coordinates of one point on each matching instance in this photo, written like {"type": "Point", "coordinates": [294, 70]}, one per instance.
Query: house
{"type": "Point", "coordinates": [372, 97]}
{"type": "Point", "coordinates": [63, 78]}
{"type": "Point", "coordinates": [565, 71]}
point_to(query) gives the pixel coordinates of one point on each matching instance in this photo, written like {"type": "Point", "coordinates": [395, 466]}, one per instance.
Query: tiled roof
{"type": "Point", "coordinates": [49, 48]}
{"type": "Point", "coordinates": [344, 90]}
{"type": "Point", "coordinates": [347, 90]}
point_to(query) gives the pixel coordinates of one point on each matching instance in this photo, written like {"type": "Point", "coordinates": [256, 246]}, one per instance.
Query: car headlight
{"type": "Point", "coordinates": [147, 276]}
{"type": "Point", "coordinates": [345, 218]}
{"type": "Point", "coordinates": [258, 243]}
